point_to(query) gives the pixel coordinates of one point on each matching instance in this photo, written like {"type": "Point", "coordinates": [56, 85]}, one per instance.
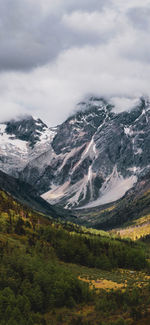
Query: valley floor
{"type": "Point", "coordinates": [118, 297]}
{"type": "Point", "coordinates": [55, 273]}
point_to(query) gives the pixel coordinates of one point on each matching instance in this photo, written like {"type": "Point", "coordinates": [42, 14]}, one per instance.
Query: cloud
{"type": "Point", "coordinates": [55, 53]}
{"type": "Point", "coordinates": [29, 36]}
{"type": "Point", "coordinates": [92, 27]}
{"type": "Point", "coordinates": [139, 17]}
{"type": "Point", "coordinates": [33, 33]}
{"type": "Point", "coordinates": [123, 103]}
{"type": "Point", "coordinates": [52, 91]}
{"type": "Point", "coordinates": [9, 110]}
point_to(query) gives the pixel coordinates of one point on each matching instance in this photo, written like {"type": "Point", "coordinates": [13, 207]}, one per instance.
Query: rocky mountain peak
{"type": "Point", "coordinates": [92, 158]}
{"type": "Point", "coordinates": [26, 129]}
{"type": "Point", "coordinates": [79, 128]}
{"type": "Point", "coordinates": [22, 140]}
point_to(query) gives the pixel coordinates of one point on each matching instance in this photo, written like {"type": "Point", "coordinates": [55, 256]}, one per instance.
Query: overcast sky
{"type": "Point", "coordinates": [53, 53]}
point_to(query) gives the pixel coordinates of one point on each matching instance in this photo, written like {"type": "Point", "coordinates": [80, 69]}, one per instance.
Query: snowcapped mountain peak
{"type": "Point", "coordinates": [27, 129]}
{"type": "Point", "coordinates": [92, 158]}
{"type": "Point", "coordinates": [21, 141]}
{"type": "Point", "coordinates": [97, 103]}
{"type": "Point", "coordinates": [95, 142]}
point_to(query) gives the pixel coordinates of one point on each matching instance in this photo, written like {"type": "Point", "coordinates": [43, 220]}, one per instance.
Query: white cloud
{"type": "Point", "coordinates": [123, 103]}
{"type": "Point", "coordinates": [52, 91]}
{"type": "Point", "coordinates": [9, 110]}
{"type": "Point", "coordinates": [91, 22]}
{"type": "Point", "coordinates": [82, 49]}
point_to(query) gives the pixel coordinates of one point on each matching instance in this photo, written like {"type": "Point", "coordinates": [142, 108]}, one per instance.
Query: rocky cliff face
{"type": "Point", "coordinates": [22, 141]}
{"type": "Point", "coordinates": [93, 158]}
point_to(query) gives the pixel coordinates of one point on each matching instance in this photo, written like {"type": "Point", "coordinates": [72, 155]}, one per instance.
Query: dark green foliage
{"type": "Point", "coordinates": [30, 284]}
{"type": "Point", "coordinates": [34, 282]}
{"type": "Point", "coordinates": [19, 226]}
{"type": "Point", "coordinates": [93, 251]}
{"type": "Point", "coordinates": [110, 302]}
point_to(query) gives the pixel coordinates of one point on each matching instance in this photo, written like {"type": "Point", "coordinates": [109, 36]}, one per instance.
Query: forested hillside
{"type": "Point", "coordinates": [46, 268]}
{"type": "Point", "coordinates": [135, 205]}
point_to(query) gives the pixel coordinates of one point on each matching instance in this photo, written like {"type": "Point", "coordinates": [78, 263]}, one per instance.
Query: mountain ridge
{"type": "Point", "coordinates": [25, 194]}
{"type": "Point", "coordinates": [94, 157]}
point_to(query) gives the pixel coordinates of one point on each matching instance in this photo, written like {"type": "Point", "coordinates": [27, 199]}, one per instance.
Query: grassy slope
{"type": "Point", "coordinates": [24, 239]}
{"type": "Point", "coordinates": [134, 230]}
{"type": "Point", "coordinates": [126, 211]}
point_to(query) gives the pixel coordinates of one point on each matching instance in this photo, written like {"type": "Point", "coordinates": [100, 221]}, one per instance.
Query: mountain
{"type": "Point", "coordinates": [132, 210]}
{"type": "Point", "coordinates": [56, 272]}
{"type": "Point", "coordinates": [91, 159]}
{"type": "Point", "coordinates": [25, 194]}
{"type": "Point", "coordinates": [21, 141]}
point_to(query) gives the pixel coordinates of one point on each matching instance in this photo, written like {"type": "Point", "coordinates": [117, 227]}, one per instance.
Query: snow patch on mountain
{"type": "Point", "coordinates": [16, 153]}
{"type": "Point", "coordinates": [92, 158]}
{"type": "Point", "coordinates": [11, 144]}
{"type": "Point", "coordinates": [113, 192]}
{"type": "Point", "coordinates": [13, 152]}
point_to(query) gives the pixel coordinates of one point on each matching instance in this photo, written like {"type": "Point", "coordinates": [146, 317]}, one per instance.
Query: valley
{"type": "Point", "coordinates": [57, 272]}
{"type": "Point", "coordinates": [75, 218]}
{"type": "Point", "coordinates": [74, 162]}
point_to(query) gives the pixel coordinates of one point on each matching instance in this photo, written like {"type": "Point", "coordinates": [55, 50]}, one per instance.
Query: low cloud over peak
{"type": "Point", "coordinates": [54, 53]}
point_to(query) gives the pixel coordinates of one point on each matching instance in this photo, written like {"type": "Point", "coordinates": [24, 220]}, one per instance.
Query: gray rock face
{"type": "Point", "coordinates": [27, 129]}
{"type": "Point", "coordinates": [21, 142]}
{"type": "Point", "coordinates": [93, 158]}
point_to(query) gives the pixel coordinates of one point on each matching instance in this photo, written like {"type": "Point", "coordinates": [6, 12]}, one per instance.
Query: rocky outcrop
{"type": "Point", "coordinates": [93, 158]}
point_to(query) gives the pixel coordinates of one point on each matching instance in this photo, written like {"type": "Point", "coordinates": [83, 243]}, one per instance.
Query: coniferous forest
{"type": "Point", "coordinates": [47, 270]}
{"type": "Point", "coordinates": [74, 162]}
